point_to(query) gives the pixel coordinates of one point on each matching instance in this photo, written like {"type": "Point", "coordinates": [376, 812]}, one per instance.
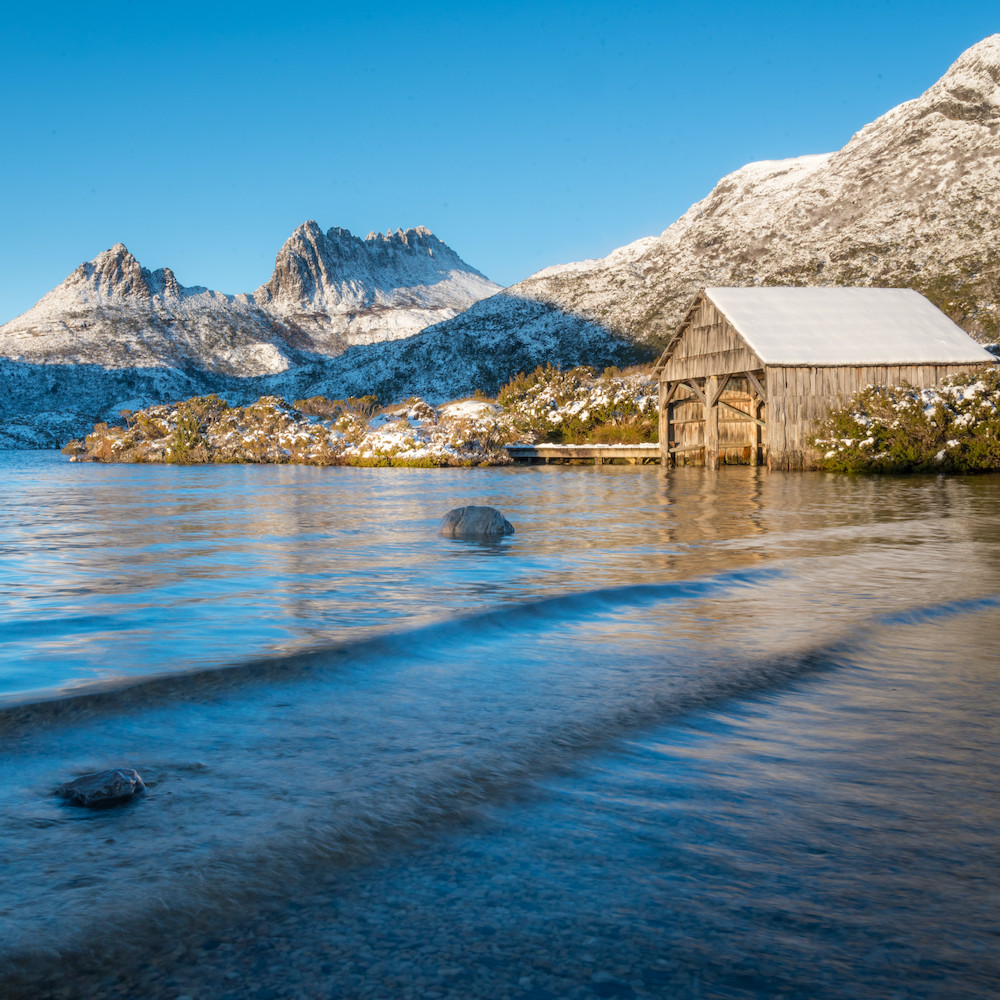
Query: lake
{"type": "Point", "coordinates": [730, 734]}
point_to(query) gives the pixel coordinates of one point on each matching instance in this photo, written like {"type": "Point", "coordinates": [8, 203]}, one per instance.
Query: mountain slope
{"type": "Point", "coordinates": [480, 349]}
{"type": "Point", "coordinates": [912, 200]}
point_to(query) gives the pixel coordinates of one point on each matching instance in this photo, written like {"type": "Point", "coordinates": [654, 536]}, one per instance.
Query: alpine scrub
{"type": "Point", "coordinates": [951, 427]}
{"type": "Point", "coordinates": [574, 406]}
{"type": "Point", "coordinates": [579, 407]}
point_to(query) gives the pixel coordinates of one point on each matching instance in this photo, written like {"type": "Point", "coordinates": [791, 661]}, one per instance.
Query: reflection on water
{"type": "Point", "coordinates": [137, 570]}
{"type": "Point", "coordinates": [711, 734]}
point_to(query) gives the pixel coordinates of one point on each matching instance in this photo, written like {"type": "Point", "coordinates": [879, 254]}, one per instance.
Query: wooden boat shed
{"type": "Point", "coordinates": [750, 372]}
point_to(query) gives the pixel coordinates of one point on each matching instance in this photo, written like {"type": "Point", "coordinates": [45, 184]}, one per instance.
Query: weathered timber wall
{"type": "Point", "coordinates": [799, 398]}
{"type": "Point", "coordinates": [709, 346]}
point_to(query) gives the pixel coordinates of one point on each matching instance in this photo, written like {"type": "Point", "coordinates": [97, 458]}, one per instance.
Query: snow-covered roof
{"type": "Point", "coordinates": [845, 326]}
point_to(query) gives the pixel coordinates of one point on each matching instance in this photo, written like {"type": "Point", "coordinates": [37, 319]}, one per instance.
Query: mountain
{"type": "Point", "coordinates": [327, 293]}
{"type": "Point", "coordinates": [115, 313]}
{"type": "Point", "coordinates": [339, 290]}
{"type": "Point", "coordinates": [912, 200]}
{"type": "Point", "coordinates": [115, 335]}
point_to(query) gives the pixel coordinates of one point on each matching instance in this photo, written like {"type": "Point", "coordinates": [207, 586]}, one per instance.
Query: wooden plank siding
{"type": "Point", "coordinates": [800, 397]}
{"type": "Point", "coordinates": [709, 346]}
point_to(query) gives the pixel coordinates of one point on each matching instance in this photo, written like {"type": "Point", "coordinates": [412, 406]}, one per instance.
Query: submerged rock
{"type": "Point", "coordinates": [102, 788]}
{"type": "Point", "coordinates": [475, 522]}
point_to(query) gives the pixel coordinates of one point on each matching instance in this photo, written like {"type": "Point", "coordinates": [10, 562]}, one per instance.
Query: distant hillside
{"type": "Point", "coordinates": [328, 292]}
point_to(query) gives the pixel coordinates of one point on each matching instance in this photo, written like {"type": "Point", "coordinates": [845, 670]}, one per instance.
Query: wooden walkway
{"type": "Point", "coordinates": [633, 454]}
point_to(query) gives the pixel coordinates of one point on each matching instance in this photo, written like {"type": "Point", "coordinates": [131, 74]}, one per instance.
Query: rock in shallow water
{"type": "Point", "coordinates": [475, 522]}
{"type": "Point", "coordinates": [102, 788]}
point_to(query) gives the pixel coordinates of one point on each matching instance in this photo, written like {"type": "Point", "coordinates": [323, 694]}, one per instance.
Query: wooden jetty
{"type": "Point", "coordinates": [599, 454]}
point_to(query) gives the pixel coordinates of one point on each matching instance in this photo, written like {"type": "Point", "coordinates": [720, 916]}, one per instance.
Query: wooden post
{"type": "Point", "coordinates": [754, 429]}
{"type": "Point", "coordinates": [672, 429]}
{"type": "Point", "coordinates": [712, 422]}
{"type": "Point", "coordinates": [664, 426]}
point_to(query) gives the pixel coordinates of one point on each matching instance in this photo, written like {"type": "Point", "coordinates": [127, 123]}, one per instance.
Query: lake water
{"type": "Point", "coordinates": [730, 734]}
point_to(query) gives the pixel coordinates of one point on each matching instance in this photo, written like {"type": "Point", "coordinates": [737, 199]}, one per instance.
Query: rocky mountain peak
{"type": "Point", "coordinates": [115, 273]}
{"type": "Point", "coordinates": [968, 93]}
{"type": "Point", "coordinates": [163, 282]}
{"type": "Point", "coordinates": [977, 68]}
{"type": "Point", "coordinates": [338, 271]}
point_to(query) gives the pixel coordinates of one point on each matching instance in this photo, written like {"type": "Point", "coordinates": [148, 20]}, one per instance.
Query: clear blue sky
{"type": "Point", "coordinates": [523, 134]}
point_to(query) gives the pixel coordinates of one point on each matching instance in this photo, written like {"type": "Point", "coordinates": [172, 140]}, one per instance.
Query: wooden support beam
{"type": "Point", "coordinates": [687, 447]}
{"type": "Point", "coordinates": [665, 394]}
{"type": "Point", "coordinates": [757, 384]}
{"type": "Point", "coordinates": [672, 391]}
{"type": "Point", "coordinates": [690, 384]}
{"type": "Point", "coordinates": [720, 389]}
{"type": "Point", "coordinates": [668, 458]}
{"type": "Point", "coordinates": [742, 413]}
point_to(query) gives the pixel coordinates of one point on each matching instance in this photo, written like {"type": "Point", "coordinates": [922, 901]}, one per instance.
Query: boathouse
{"type": "Point", "coordinates": [750, 372]}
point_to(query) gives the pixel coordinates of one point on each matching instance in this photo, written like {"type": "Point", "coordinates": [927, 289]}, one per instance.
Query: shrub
{"type": "Point", "coordinates": [951, 427]}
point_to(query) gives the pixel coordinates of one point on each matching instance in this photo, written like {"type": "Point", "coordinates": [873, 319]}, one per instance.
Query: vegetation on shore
{"type": "Point", "coordinates": [950, 427]}
{"type": "Point", "coordinates": [574, 406]}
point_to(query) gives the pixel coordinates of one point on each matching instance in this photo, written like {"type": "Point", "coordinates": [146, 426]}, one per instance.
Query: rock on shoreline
{"type": "Point", "coordinates": [102, 788]}
{"type": "Point", "coordinates": [475, 522]}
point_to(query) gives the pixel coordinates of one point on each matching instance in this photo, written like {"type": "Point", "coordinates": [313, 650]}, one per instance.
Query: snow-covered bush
{"type": "Point", "coordinates": [950, 427]}
{"type": "Point", "coordinates": [577, 406]}
{"type": "Point", "coordinates": [574, 406]}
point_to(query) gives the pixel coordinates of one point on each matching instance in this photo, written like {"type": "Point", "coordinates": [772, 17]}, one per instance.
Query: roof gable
{"type": "Point", "coordinates": [845, 326]}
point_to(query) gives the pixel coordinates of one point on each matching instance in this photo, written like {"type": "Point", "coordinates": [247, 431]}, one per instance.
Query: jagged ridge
{"type": "Point", "coordinates": [328, 292]}
{"type": "Point", "coordinates": [340, 290]}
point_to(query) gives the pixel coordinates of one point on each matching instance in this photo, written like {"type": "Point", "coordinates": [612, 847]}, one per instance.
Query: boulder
{"type": "Point", "coordinates": [102, 788]}
{"type": "Point", "coordinates": [475, 522]}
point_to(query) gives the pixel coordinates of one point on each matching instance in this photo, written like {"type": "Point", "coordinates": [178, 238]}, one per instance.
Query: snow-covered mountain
{"type": "Point", "coordinates": [328, 292]}
{"type": "Point", "coordinates": [114, 313]}
{"type": "Point", "coordinates": [115, 335]}
{"type": "Point", "coordinates": [913, 200]}
{"type": "Point", "coordinates": [339, 290]}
